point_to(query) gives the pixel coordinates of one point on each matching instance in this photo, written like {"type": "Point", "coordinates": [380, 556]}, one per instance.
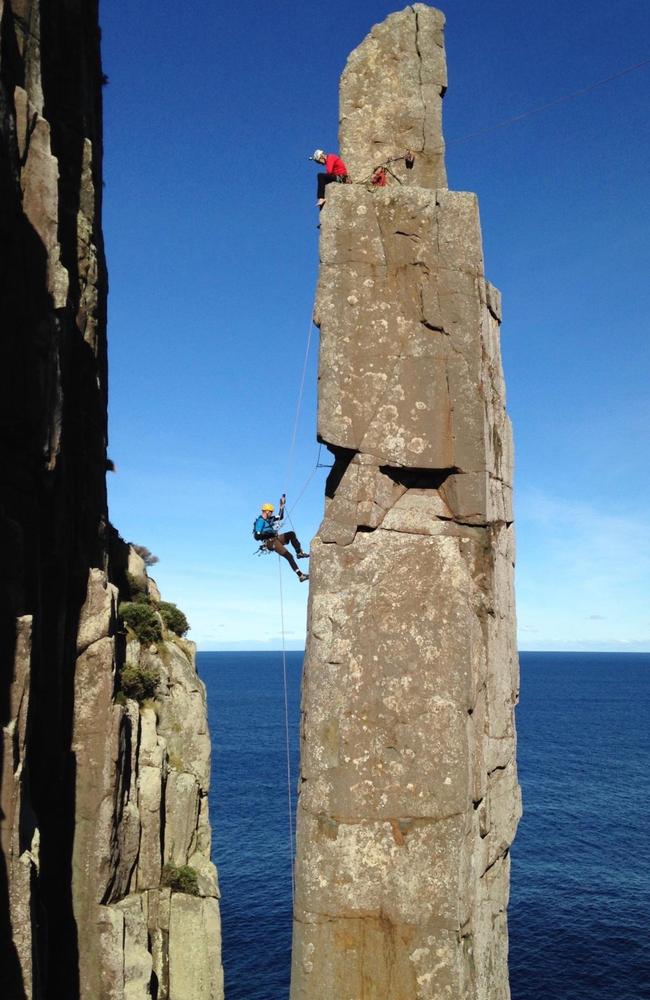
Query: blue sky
{"type": "Point", "coordinates": [210, 113]}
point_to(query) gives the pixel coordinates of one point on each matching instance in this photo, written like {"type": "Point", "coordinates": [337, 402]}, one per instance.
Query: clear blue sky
{"type": "Point", "coordinates": [210, 113]}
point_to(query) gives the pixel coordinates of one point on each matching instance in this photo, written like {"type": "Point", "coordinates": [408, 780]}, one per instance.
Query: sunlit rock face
{"type": "Point", "coordinates": [98, 791]}
{"type": "Point", "coordinates": [408, 796]}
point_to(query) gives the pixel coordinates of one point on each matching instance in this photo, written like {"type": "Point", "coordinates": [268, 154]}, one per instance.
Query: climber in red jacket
{"type": "Point", "coordinates": [335, 170]}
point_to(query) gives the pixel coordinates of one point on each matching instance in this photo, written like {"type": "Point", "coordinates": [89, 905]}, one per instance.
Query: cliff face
{"type": "Point", "coordinates": [409, 798]}
{"type": "Point", "coordinates": [98, 790]}
{"type": "Point", "coordinates": [144, 889]}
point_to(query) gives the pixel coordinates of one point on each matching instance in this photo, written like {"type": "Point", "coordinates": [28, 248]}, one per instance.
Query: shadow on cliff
{"type": "Point", "coordinates": [11, 536]}
{"type": "Point", "coordinates": [52, 517]}
{"type": "Point", "coordinates": [13, 987]}
{"type": "Point", "coordinates": [49, 535]}
{"type": "Point", "coordinates": [409, 478]}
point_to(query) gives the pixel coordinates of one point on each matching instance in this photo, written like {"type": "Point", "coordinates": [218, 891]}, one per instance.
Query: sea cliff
{"type": "Point", "coordinates": [106, 884]}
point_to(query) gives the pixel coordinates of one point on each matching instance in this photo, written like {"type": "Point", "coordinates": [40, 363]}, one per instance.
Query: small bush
{"type": "Point", "coordinates": [142, 620]}
{"type": "Point", "coordinates": [120, 698]}
{"type": "Point", "coordinates": [149, 558]}
{"type": "Point", "coordinates": [173, 618]}
{"type": "Point", "coordinates": [138, 682]}
{"type": "Point", "coordinates": [180, 878]}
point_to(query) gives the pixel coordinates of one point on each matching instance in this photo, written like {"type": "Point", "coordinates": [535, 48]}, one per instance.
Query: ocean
{"type": "Point", "coordinates": [580, 888]}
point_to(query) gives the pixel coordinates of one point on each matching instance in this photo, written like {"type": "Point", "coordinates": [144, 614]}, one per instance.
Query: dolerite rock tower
{"type": "Point", "coordinates": [408, 796]}
{"type": "Point", "coordinates": [107, 891]}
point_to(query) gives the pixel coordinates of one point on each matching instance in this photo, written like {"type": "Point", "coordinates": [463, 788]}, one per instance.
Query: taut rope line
{"type": "Point", "coordinates": [548, 104]}
{"type": "Point", "coordinates": [300, 395]}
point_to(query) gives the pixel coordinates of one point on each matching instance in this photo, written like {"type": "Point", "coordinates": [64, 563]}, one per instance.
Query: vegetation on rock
{"type": "Point", "coordinates": [139, 682]}
{"type": "Point", "coordinates": [180, 878]}
{"type": "Point", "coordinates": [142, 620]}
{"type": "Point", "coordinates": [173, 618]}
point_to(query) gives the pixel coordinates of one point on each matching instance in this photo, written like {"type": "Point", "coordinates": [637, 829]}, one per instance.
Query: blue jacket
{"type": "Point", "coordinates": [264, 526]}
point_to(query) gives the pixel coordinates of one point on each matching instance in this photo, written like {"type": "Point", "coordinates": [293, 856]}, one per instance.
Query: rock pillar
{"type": "Point", "coordinates": [408, 798]}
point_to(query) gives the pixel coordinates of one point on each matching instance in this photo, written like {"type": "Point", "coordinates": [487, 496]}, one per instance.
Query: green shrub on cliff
{"type": "Point", "coordinates": [173, 618]}
{"type": "Point", "coordinates": [138, 682]}
{"type": "Point", "coordinates": [180, 878]}
{"type": "Point", "coordinates": [142, 620]}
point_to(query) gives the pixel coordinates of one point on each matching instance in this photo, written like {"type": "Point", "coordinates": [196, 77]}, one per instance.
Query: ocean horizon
{"type": "Point", "coordinates": [298, 645]}
{"type": "Point", "coordinates": [580, 884]}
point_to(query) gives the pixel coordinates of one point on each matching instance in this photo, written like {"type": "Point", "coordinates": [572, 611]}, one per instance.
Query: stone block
{"type": "Point", "coordinates": [138, 964]}
{"type": "Point", "coordinates": [417, 512]}
{"type": "Point", "coordinates": [98, 611]}
{"type": "Point", "coordinates": [373, 958]}
{"type": "Point", "coordinates": [194, 944]}
{"type": "Point", "coordinates": [391, 97]}
{"type": "Point", "coordinates": [404, 869]}
{"type": "Point", "coordinates": [110, 933]}
{"type": "Point", "coordinates": [460, 245]}
{"type": "Point", "coordinates": [181, 816]}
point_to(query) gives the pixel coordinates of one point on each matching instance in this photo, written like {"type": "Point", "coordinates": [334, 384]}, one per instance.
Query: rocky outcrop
{"type": "Point", "coordinates": [408, 797]}
{"type": "Point", "coordinates": [99, 791]}
{"type": "Point", "coordinates": [144, 888]}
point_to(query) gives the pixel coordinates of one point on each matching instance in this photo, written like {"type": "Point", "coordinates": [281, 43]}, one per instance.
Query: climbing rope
{"type": "Point", "coordinates": [318, 465]}
{"type": "Point", "coordinates": [375, 178]}
{"type": "Point", "coordinates": [287, 514]}
{"type": "Point", "coordinates": [549, 104]}
{"type": "Point", "coordinates": [301, 391]}
{"type": "Point", "coordinates": [286, 736]}
{"type": "Point", "coordinates": [294, 432]}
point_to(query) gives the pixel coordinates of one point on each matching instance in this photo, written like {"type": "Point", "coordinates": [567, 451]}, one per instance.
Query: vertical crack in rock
{"type": "Point", "coordinates": [424, 103]}
{"type": "Point", "coordinates": [408, 790]}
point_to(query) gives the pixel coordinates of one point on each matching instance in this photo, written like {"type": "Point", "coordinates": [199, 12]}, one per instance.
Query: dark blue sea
{"type": "Point", "coordinates": [580, 893]}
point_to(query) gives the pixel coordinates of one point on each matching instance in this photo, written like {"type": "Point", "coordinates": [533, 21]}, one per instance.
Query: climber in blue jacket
{"type": "Point", "coordinates": [264, 531]}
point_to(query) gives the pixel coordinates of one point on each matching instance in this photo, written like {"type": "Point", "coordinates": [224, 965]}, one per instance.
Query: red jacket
{"type": "Point", "coordinates": [335, 165]}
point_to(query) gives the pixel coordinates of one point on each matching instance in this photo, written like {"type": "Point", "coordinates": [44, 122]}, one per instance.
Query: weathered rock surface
{"type": "Point", "coordinates": [142, 780]}
{"type": "Point", "coordinates": [87, 814]}
{"type": "Point", "coordinates": [391, 98]}
{"type": "Point", "coordinates": [408, 798]}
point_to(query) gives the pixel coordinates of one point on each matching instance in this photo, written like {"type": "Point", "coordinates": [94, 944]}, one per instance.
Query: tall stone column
{"type": "Point", "coordinates": [409, 798]}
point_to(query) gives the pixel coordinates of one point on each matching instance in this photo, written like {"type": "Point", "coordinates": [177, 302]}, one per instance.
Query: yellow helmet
{"type": "Point", "coordinates": [268, 506]}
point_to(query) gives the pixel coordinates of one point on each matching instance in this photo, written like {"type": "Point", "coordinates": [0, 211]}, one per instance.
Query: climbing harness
{"type": "Point", "coordinates": [260, 536]}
